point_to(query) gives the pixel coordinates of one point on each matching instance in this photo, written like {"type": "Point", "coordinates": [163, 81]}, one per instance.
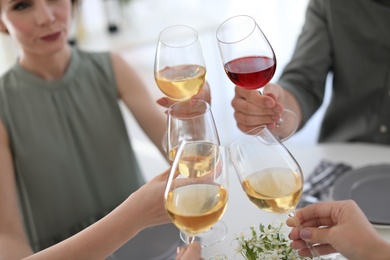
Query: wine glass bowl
{"type": "Point", "coordinates": [179, 67]}
{"type": "Point", "coordinates": [248, 58]}
{"type": "Point", "coordinates": [249, 62]}
{"type": "Point", "coordinates": [195, 204]}
{"type": "Point", "coordinates": [268, 173]}
{"type": "Point", "coordinates": [190, 120]}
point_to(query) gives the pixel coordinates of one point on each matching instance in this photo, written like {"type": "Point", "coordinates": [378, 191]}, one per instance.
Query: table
{"type": "Point", "coordinates": [241, 213]}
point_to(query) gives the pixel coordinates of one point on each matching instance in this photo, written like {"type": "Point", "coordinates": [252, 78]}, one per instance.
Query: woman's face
{"type": "Point", "coordinates": [38, 26]}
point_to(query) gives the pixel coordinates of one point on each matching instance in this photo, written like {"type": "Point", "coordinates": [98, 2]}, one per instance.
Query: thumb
{"type": "Point", "coordinates": [315, 235]}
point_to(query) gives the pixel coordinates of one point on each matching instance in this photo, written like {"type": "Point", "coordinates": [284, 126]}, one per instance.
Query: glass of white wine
{"type": "Point", "coordinates": [193, 121]}
{"type": "Point", "coordinates": [269, 174]}
{"type": "Point", "coordinates": [179, 67]}
{"type": "Point", "coordinates": [195, 202]}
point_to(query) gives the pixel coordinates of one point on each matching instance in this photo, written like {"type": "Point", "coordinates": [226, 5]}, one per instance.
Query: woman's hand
{"type": "Point", "coordinates": [337, 226]}
{"type": "Point", "coordinates": [149, 200]}
{"type": "Point", "coordinates": [204, 94]}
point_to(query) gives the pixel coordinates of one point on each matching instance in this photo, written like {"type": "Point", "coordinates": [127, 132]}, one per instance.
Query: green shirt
{"type": "Point", "coordinates": [351, 40]}
{"type": "Point", "coordinates": [73, 159]}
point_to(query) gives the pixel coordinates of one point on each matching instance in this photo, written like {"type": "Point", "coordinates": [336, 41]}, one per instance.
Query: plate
{"type": "Point", "coordinates": [154, 243]}
{"type": "Point", "coordinates": [369, 187]}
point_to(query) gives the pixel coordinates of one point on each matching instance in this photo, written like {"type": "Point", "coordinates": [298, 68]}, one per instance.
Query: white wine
{"type": "Point", "coordinates": [196, 208]}
{"type": "Point", "coordinates": [197, 159]}
{"type": "Point", "coordinates": [275, 190]}
{"type": "Point", "coordinates": [181, 82]}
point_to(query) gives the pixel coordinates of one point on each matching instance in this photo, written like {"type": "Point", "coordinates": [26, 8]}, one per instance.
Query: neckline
{"type": "Point", "coordinates": [40, 83]}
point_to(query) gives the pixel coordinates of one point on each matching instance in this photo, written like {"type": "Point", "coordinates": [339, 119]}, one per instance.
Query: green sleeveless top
{"type": "Point", "coordinates": [73, 159]}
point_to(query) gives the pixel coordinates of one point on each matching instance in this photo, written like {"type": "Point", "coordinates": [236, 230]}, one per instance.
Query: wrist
{"type": "Point", "coordinates": [379, 250]}
{"type": "Point", "coordinates": [383, 250]}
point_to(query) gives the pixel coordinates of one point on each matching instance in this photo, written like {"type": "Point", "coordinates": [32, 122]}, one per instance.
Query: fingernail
{"type": "Point", "coordinates": [178, 249]}
{"type": "Point", "coordinates": [305, 234]}
{"type": "Point", "coordinates": [162, 101]}
{"type": "Point", "coordinates": [269, 104]}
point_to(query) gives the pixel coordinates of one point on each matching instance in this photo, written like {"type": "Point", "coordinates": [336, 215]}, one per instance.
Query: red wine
{"type": "Point", "coordinates": [251, 72]}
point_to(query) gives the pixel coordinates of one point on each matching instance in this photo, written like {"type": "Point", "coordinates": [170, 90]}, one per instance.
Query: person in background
{"type": "Point", "coordinates": [350, 40]}
{"type": "Point", "coordinates": [337, 226]}
{"type": "Point", "coordinates": [66, 160]}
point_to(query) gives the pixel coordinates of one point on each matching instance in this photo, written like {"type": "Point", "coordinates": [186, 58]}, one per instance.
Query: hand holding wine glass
{"type": "Point", "coordinates": [195, 204]}
{"type": "Point", "coordinates": [250, 62]}
{"type": "Point", "coordinates": [269, 174]}
{"type": "Point", "coordinates": [179, 67]}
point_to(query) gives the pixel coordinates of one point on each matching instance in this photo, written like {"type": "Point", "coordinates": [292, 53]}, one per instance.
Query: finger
{"type": "Point", "coordinates": [321, 249]}
{"type": "Point", "coordinates": [165, 102]}
{"type": "Point", "coordinates": [298, 244]}
{"type": "Point", "coordinates": [257, 106]}
{"type": "Point", "coordinates": [191, 252]}
{"type": "Point", "coordinates": [315, 235]}
{"type": "Point", "coordinates": [253, 120]}
{"type": "Point", "coordinates": [294, 234]}
{"type": "Point", "coordinates": [254, 97]}
{"type": "Point", "coordinates": [320, 212]}
{"type": "Point", "coordinates": [255, 109]}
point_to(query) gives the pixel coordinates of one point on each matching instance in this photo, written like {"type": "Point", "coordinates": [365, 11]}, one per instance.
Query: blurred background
{"type": "Point", "coordinates": [131, 27]}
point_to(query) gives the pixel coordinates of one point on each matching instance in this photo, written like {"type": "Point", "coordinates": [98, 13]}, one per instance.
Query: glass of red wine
{"type": "Point", "coordinates": [250, 62]}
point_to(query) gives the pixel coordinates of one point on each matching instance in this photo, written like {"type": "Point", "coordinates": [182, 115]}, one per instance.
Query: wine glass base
{"type": "Point", "coordinates": [210, 237]}
{"type": "Point", "coordinates": [335, 256]}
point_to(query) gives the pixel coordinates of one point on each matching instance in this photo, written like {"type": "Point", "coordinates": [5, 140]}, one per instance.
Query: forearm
{"type": "Point", "coordinates": [378, 250]}
{"type": "Point", "coordinates": [100, 239]}
{"type": "Point", "coordinates": [13, 248]}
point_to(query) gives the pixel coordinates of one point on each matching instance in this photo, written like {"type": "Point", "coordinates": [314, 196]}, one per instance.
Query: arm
{"type": "Point", "coordinates": [142, 209]}
{"type": "Point", "coordinates": [13, 239]}
{"type": "Point", "coordinates": [338, 226]}
{"type": "Point", "coordinates": [301, 87]}
{"type": "Point", "coordinates": [305, 75]}
{"type": "Point", "coordinates": [135, 95]}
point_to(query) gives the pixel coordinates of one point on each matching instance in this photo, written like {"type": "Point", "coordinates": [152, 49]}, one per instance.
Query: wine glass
{"type": "Point", "coordinates": [250, 62]}
{"type": "Point", "coordinates": [197, 190]}
{"type": "Point", "coordinates": [269, 174]}
{"type": "Point", "coordinates": [189, 120]}
{"type": "Point", "coordinates": [179, 67]}
{"type": "Point", "coordinates": [192, 120]}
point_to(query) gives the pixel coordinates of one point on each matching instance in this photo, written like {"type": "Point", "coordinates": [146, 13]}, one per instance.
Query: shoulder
{"type": "Point", "coordinates": [7, 77]}
{"type": "Point", "coordinates": [96, 64]}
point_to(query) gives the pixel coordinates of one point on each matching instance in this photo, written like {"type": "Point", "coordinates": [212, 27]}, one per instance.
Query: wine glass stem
{"type": "Point", "coordinates": [310, 245]}
{"type": "Point", "coordinates": [190, 240]}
